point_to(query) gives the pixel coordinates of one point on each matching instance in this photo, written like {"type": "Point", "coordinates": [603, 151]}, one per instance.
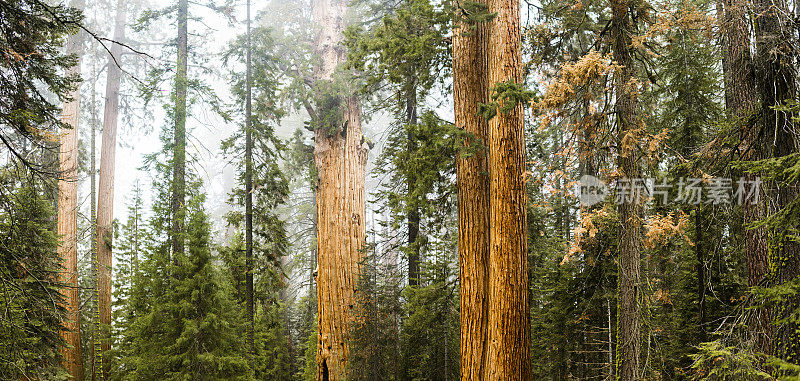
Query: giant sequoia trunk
{"type": "Point", "coordinates": [105, 204]}
{"type": "Point", "coordinates": [68, 219]}
{"type": "Point", "coordinates": [508, 327]}
{"type": "Point", "coordinates": [628, 339]}
{"type": "Point", "coordinates": [340, 158]}
{"type": "Point", "coordinates": [470, 90]}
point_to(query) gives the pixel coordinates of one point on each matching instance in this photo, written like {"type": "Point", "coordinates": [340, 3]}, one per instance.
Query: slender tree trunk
{"type": "Point", "coordinates": [340, 155]}
{"type": "Point", "coordinates": [509, 312]}
{"type": "Point", "coordinates": [723, 39]}
{"type": "Point", "coordinates": [470, 90]}
{"type": "Point", "coordinates": [105, 204]}
{"type": "Point", "coordinates": [93, 239]}
{"type": "Point", "coordinates": [699, 249]}
{"type": "Point", "coordinates": [610, 327]}
{"type": "Point", "coordinates": [413, 213]}
{"type": "Point", "coordinates": [629, 335]}
{"type": "Point", "coordinates": [68, 217]}
{"type": "Point", "coordinates": [179, 149]}
{"type": "Point", "coordinates": [137, 236]}
{"type": "Point", "coordinates": [248, 174]}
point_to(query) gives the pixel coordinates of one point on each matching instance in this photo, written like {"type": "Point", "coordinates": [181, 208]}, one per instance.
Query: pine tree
{"type": "Point", "coordinates": [179, 135]}
{"type": "Point", "coordinates": [273, 358]}
{"type": "Point", "coordinates": [628, 123]}
{"type": "Point", "coordinates": [694, 282]}
{"type": "Point", "coordinates": [776, 76]}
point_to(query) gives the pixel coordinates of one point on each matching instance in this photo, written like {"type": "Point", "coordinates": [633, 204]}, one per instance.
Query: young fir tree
{"type": "Point", "coordinates": [186, 324]}
{"type": "Point", "coordinates": [270, 358]}
{"type": "Point", "coordinates": [130, 251]}
{"type": "Point", "coordinates": [374, 335]}
{"type": "Point", "coordinates": [429, 329]}
{"type": "Point", "coordinates": [194, 313]}
{"type": "Point", "coordinates": [406, 50]}
{"type": "Point", "coordinates": [262, 188]}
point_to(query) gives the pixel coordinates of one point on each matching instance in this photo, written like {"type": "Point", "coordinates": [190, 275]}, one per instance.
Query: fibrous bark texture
{"type": "Point", "coordinates": [775, 73]}
{"type": "Point", "coordinates": [470, 90]}
{"type": "Point", "coordinates": [629, 310]}
{"type": "Point", "coordinates": [740, 104]}
{"type": "Point", "coordinates": [340, 156]}
{"type": "Point", "coordinates": [509, 326]}
{"type": "Point", "coordinates": [68, 219]}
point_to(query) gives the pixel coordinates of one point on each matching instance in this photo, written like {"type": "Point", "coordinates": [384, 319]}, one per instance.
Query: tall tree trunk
{"type": "Point", "coordinates": [413, 212]}
{"type": "Point", "coordinates": [93, 238]}
{"type": "Point", "coordinates": [340, 155]}
{"type": "Point", "coordinates": [629, 212]}
{"type": "Point", "coordinates": [470, 90]}
{"type": "Point", "coordinates": [312, 279]}
{"type": "Point", "coordinates": [508, 355]}
{"type": "Point", "coordinates": [105, 204]}
{"type": "Point", "coordinates": [248, 174]}
{"type": "Point", "coordinates": [719, 7]}
{"type": "Point", "coordinates": [179, 149]}
{"type": "Point", "coordinates": [68, 216]}
{"type": "Point", "coordinates": [137, 237]}
{"type": "Point", "coordinates": [740, 106]}
{"type": "Point", "coordinates": [776, 73]}
{"type": "Point", "coordinates": [700, 253]}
